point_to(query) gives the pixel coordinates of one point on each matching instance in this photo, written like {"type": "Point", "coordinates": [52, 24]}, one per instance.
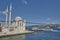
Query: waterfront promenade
{"type": "Point", "coordinates": [15, 33]}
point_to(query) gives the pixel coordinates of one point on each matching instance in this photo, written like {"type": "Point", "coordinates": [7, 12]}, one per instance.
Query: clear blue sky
{"type": "Point", "coordinates": [42, 11]}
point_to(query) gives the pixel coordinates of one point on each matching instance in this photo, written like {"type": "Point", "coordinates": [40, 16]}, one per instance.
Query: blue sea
{"type": "Point", "coordinates": [38, 35]}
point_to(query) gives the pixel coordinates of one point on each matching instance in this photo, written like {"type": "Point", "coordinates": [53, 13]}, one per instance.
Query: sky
{"type": "Point", "coordinates": [40, 11]}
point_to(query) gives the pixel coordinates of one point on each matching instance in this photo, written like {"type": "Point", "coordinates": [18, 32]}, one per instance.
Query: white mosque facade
{"type": "Point", "coordinates": [16, 26]}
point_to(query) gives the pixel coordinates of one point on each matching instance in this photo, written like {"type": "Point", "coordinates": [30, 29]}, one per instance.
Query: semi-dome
{"type": "Point", "coordinates": [18, 18]}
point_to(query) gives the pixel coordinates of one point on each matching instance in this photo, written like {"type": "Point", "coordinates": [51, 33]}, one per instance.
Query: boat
{"type": "Point", "coordinates": [43, 29]}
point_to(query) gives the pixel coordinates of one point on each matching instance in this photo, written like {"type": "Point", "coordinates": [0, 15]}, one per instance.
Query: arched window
{"type": "Point", "coordinates": [0, 29]}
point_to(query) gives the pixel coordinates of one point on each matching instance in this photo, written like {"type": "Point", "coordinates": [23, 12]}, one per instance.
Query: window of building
{"type": "Point", "coordinates": [0, 29]}
{"type": "Point", "coordinates": [20, 24]}
{"type": "Point", "coordinates": [11, 29]}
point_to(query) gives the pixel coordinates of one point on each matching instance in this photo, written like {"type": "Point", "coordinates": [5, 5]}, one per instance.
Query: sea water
{"type": "Point", "coordinates": [38, 35]}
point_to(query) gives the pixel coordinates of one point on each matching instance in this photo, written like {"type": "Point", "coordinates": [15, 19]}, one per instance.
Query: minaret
{"type": "Point", "coordinates": [10, 14]}
{"type": "Point", "coordinates": [7, 15]}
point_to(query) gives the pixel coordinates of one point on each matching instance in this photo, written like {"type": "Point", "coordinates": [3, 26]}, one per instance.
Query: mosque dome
{"type": "Point", "coordinates": [18, 18]}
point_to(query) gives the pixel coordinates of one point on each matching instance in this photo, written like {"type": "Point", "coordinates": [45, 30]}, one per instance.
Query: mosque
{"type": "Point", "coordinates": [13, 27]}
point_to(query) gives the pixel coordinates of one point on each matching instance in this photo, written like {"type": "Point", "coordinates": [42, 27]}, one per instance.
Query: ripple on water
{"type": "Point", "coordinates": [41, 35]}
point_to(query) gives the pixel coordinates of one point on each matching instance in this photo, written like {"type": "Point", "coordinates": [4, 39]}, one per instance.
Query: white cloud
{"type": "Point", "coordinates": [56, 21]}
{"type": "Point", "coordinates": [52, 21]}
{"type": "Point", "coordinates": [48, 19]}
{"type": "Point", "coordinates": [25, 2]}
